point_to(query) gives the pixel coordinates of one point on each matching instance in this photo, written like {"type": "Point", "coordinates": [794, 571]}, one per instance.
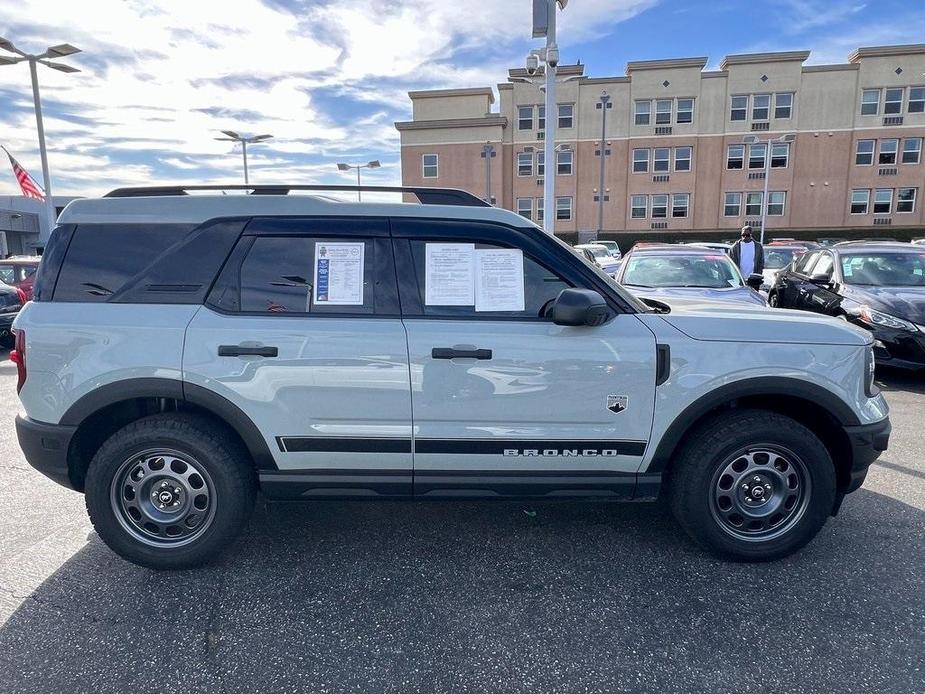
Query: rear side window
{"type": "Point", "coordinates": [101, 258]}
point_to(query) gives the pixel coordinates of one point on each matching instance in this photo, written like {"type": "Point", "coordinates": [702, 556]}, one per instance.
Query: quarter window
{"type": "Point", "coordinates": [680, 202]}
{"type": "Point", "coordinates": [883, 201]}
{"type": "Point", "coordinates": [663, 112]}
{"type": "Point", "coordinates": [916, 100]}
{"type": "Point", "coordinates": [776, 203]}
{"type": "Point", "coordinates": [912, 150]}
{"type": "Point", "coordinates": [566, 114]}
{"type": "Point", "coordinates": [864, 153]}
{"type": "Point", "coordinates": [860, 201]}
{"type": "Point", "coordinates": [735, 157]}
{"type": "Point", "coordinates": [761, 106]}
{"type": "Point", "coordinates": [893, 101]}
{"type": "Point", "coordinates": [756, 155]}
{"type": "Point", "coordinates": [682, 158]}
{"type": "Point", "coordinates": [525, 207]}
{"type": "Point", "coordinates": [685, 113]}
{"type": "Point", "coordinates": [638, 206]}
{"type": "Point", "coordinates": [661, 160]}
{"type": "Point", "coordinates": [660, 206]}
{"type": "Point", "coordinates": [525, 164]}
{"type": "Point", "coordinates": [564, 163]}
{"type": "Point", "coordinates": [870, 102]}
{"type": "Point", "coordinates": [563, 209]}
{"type": "Point", "coordinates": [640, 160]}
{"type": "Point", "coordinates": [739, 109]}
{"type": "Point", "coordinates": [888, 149]}
{"type": "Point", "coordinates": [905, 200]}
{"type": "Point", "coordinates": [732, 205]}
{"type": "Point", "coordinates": [643, 112]}
{"type": "Point", "coordinates": [753, 204]}
{"type": "Point", "coordinates": [429, 165]}
{"type": "Point", "coordinates": [780, 155]}
{"type": "Point", "coordinates": [525, 118]}
{"type": "Point", "coordinates": [783, 105]}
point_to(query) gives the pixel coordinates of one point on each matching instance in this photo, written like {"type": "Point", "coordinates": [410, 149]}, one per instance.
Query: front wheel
{"type": "Point", "coordinates": [752, 485]}
{"type": "Point", "coordinates": [169, 491]}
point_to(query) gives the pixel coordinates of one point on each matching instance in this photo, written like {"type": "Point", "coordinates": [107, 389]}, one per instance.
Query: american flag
{"type": "Point", "coordinates": [28, 186]}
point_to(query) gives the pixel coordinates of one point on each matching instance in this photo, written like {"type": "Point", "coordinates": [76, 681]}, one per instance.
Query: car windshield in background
{"type": "Point", "coordinates": [708, 271]}
{"type": "Point", "coordinates": [884, 269]}
{"type": "Point", "coordinates": [6, 275]}
{"type": "Point", "coordinates": [776, 258]}
{"type": "Point", "coordinates": [600, 252]}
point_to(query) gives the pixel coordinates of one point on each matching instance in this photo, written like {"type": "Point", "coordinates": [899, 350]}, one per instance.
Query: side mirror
{"type": "Point", "coordinates": [821, 278]}
{"type": "Point", "coordinates": [755, 280]}
{"type": "Point", "coordinates": [579, 307]}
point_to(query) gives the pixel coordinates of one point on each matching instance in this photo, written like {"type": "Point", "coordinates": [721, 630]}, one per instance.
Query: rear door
{"type": "Point", "coordinates": [505, 402]}
{"type": "Point", "coordinates": [302, 332]}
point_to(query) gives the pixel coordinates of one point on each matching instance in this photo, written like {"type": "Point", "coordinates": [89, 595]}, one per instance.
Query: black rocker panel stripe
{"type": "Point", "coordinates": [342, 444]}
{"type": "Point", "coordinates": [531, 447]}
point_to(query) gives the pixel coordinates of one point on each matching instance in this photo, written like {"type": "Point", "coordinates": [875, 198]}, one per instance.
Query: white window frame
{"type": "Point", "coordinates": [915, 194]}
{"type": "Point", "coordinates": [689, 158]}
{"type": "Point", "coordinates": [435, 166]}
{"type": "Point", "coordinates": [786, 148]}
{"type": "Point", "coordinates": [874, 103]}
{"type": "Point", "coordinates": [570, 118]}
{"type": "Point", "coordinates": [889, 203]}
{"type": "Point", "coordinates": [663, 117]}
{"type": "Point", "coordinates": [782, 204]}
{"type": "Point", "coordinates": [664, 206]}
{"type": "Point", "coordinates": [637, 113]}
{"type": "Point", "coordinates": [858, 153]}
{"type": "Point", "coordinates": [758, 147]}
{"type": "Point", "coordinates": [561, 156]}
{"type": "Point", "coordinates": [689, 111]}
{"type": "Point", "coordinates": [887, 101]}
{"type": "Point", "coordinates": [528, 209]}
{"type": "Point", "coordinates": [560, 208]}
{"type": "Point", "coordinates": [863, 192]}
{"type": "Point", "coordinates": [656, 160]}
{"type": "Point", "coordinates": [523, 156]}
{"type": "Point", "coordinates": [756, 107]}
{"type": "Point", "coordinates": [760, 196]}
{"type": "Point", "coordinates": [737, 203]}
{"type": "Point", "coordinates": [733, 108]}
{"type": "Point", "coordinates": [895, 152]}
{"type": "Point", "coordinates": [920, 102]}
{"type": "Point", "coordinates": [740, 158]}
{"type": "Point", "coordinates": [634, 206]}
{"type": "Point", "coordinates": [917, 150]}
{"type": "Point", "coordinates": [521, 119]}
{"type": "Point", "coordinates": [675, 198]}
{"type": "Point", "coordinates": [639, 161]}
{"type": "Point", "coordinates": [788, 106]}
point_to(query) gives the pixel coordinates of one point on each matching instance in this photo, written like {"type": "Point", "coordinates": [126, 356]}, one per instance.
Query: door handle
{"type": "Point", "coordinates": [239, 351]}
{"type": "Point", "coordinates": [452, 353]}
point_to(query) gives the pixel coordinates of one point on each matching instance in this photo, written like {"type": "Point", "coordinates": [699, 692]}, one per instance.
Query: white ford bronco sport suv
{"type": "Point", "coordinates": [185, 350]}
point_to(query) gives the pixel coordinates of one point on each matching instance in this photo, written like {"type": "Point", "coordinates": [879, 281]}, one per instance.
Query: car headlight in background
{"type": "Point", "coordinates": [884, 320]}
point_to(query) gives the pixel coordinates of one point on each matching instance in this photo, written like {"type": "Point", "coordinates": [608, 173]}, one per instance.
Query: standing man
{"type": "Point", "coordinates": [747, 253]}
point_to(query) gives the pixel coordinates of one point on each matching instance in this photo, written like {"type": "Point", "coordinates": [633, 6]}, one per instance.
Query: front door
{"type": "Point", "coordinates": [505, 402]}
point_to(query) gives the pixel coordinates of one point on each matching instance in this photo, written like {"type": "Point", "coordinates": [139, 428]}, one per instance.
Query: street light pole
{"type": "Point", "coordinates": [604, 103]}
{"type": "Point", "coordinates": [233, 136]}
{"type": "Point", "coordinates": [43, 152]}
{"type": "Point", "coordinates": [753, 140]}
{"type": "Point", "coordinates": [368, 165]}
{"type": "Point", "coordinates": [552, 116]}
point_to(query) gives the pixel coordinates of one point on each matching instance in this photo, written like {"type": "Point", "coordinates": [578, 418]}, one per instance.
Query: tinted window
{"type": "Point", "coordinates": [804, 263]}
{"type": "Point", "coordinates": [824, 265]}
{"type": "Point", "coordinates": [103, 257]}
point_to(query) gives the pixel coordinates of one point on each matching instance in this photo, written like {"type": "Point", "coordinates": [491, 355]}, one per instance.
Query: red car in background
{"type": "Point", "coordinates": [19, 272]}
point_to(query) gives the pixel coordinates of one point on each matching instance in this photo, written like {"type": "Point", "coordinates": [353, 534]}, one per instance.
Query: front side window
{"type": "Point", "coordinates": [864, 153]}
{"type": "Point", "coordinates": [732, 205]}
{"type": "Point", "coordinates": [860, 201]}
{"type": "Point", "coordinates": [905, 200]}
{"type": "Point", "coordinates": [893, 101]}
{"type": "Point", "coordinates": [660, 206]}
{"type": "Point", "coordinates": [761, 106]}
{"type": "Point", "coordinates": [525, 207]}
{"type": "Point", "coordinates": [888, 149]}
{"type": "Point", "coordinates": [783, 105]}
{"type": "Point", "coordinates": [679, 204]}
{"type": "Point", "coordinates": [566, 115]}
{"type": "Point", "coordinates": [429, 165]}
{"type": "Point", "coordinates": [663, 112]}
{"type": "Point", "coordinates": [912, 150]}
{"type": "Point", "coordinates": [564, 163]}
{"type": "Point", "coordinates": [563, 209]}
{"type": "Point", "coordinates": [640, 160]}
{"type": "Point", "coordinates": [870, 102]}
{"type": "Point", "coordinates": [643, 112]}
{"type": "Point", "coordinates": [753, 204]}
{"type": "Point", "coordinates": [682, 158]}
{"type": "Point", "coordinates": [525, 164]}
{"type": "Point", "coordinates": [661, 160]}
{"type": "Point", "coordinates": [739, 108]}
{"type": "Point", "coordinates": [776, 203]}
{"type": "Point", "coordinates": [638, 206]}
{"type": "Point", "coordinates": [883, 201]}
{"type": "Point", "coordinates": [916, 100]}
{"type": "Point", "coordinates": [525, 118]}
{"type": "Point", "coordinates": [780, 155]}
{"type": "Point", "coordinates": [685, 112]}
{"type": "Point", "coordinates": [756, 155]}
{"type": "Point", "coordinates": [735, 157]}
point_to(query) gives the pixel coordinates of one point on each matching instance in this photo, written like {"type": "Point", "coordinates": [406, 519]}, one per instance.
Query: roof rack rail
{"type": "Point", "coordinates": [426, 196]}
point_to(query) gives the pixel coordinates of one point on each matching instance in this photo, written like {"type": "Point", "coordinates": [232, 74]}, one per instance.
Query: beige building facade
{"type": "Point", "coordinates": [676, 154]}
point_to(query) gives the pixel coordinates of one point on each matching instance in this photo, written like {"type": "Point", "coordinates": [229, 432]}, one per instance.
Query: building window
{"type": "Point", "coordinates": [735, 157]}
{"type": "Point", "coordinates": [783, 105]}
{"type": "Point", "coordinates": [525, 207]}
{"type": "Point", "coordinates": [525, 118]}
{"type": "Point", "coordinates": [429, 165]}
{"type": "Point", "coordinates": [753, 204]}
{"type": "Point", "coordinates": [540, 164]}
{"type": "Point", "coordinates": [912, 150]}
{"type": "Point", "coordinates": [776, 203]}
{"type": "Point", "coordinates": [870, 102]}
{"type": "Point", "coordinates": [540, 117]}
{"type": "Point", "coordinates": [893, 101]}
{"type": "Point", "coordinates": [860, 200]}
{"type": "Point", "coordinates": [643, 110]}
{"type": "Point", "coordinates": [905, 200]}
{"type": "Point", "coordinates": [916, 100]}
{"type": "Point", "coordinates": [640, 160]}
{"type": "Point", "coordinates": [739, 109]}
{"type": "Point", "coordinates": [525, 163]}
{"type": "Point", "coordinates": [663, 112]}
{"type": "Point", "coordinates": [761, 106]}
{"type": "Point", "coordinates": [661, 161]}
{"type": "Point", "coordinates": [679, 204]}
{"type": "Point", "coordinates": [780, 155]}
{"type": "Point", "coordinates": [564, 163]}
{"type": "Point", "coordinates": [563, 209]}
{"type": "Point", "coordinates": [864, 154]}
{"type": "Point", "coordinates": [888, 149]}
{"type": "Point", "coordinates": [756, 155]}
{"type": "Point", "coordinates": [566, 115]}
{"type": "Point", "coordinates": [660, 206]}
{"type": "Point", "coordinates": [883, 201]}
{"type": "Point", "coordinates": [732, 205]}
{"type": "Point", "coordinates": [682, 158]}
{"type": "Point", "coordinates": [539, 209]}
{"type": "Point", "coordinates": [639, 206]}
{"type": "Point", "coordinates": [685, 112]}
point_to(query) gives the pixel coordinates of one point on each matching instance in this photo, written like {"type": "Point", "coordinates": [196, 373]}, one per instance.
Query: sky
{"type": "Point", "coordinates": [328, 78]}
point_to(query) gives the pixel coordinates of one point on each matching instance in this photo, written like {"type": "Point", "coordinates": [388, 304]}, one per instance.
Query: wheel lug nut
{"type": "Point", "coordinates": [744, 486]}
{"type": "Point", "coordinates": [768, 487]}
{"type": "Point", "coordinates": [176, 490]}
{"type": "Point", "coordinates": [756, 478]}
{"type": "Point", "coordinates": [748, 499]}
{"type": "Point", "coordinates": [162, 505]}
{"type": "Point", "coordinates": [163, 484]}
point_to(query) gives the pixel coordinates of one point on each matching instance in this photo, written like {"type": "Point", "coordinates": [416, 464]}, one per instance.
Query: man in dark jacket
{"type": "Point", "coordinates": [747, 253]}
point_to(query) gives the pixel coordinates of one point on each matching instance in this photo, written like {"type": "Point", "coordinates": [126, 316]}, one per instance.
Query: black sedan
{"type": "Point", "coordinates": [11, 300]}
{"type": "Point", "coordinates": [878, 286]}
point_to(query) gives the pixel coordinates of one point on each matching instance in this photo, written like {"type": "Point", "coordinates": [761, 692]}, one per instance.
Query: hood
{"type": "Point", "coordinates": [722, 322]}
{"type": "Point", "coordinates": [738, 295]}
{"type": "Point", "coordinates": [902, 302]}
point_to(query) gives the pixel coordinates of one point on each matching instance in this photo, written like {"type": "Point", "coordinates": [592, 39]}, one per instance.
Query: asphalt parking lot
{"type": "Point", "coordinates": [469, 597]}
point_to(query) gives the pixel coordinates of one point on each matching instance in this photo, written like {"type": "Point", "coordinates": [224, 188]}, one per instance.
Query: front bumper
{"type": "Point", "coordinates": [867, 441]}
{"type": "Point", "coordinates": [45, 447]}
{"type": "Point", "coordinates": [897, 348]}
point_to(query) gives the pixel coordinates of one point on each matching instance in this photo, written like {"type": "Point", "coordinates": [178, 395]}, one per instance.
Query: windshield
{"type": "Point", "coordinates": [776, 258]}
{"type": "Point", "coordinates": [6, 275]}
{"type": "Point", "coordinates": [708, 271]}
{"type": "Point", "coordinates": [884, 269]}
{"type": "Point", "coordinates": [599, 252]}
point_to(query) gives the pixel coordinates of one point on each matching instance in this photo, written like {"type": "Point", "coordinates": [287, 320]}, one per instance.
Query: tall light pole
{"type": "Point", "coordinates": [232, 136]}
{"type": "Point", "coordinates": [754, 140]}
{"type": "Point", "coordinates": [603, 104]}
{"type": "Point", "coordinates": [488, 153]}
{"type": "Point", "coordinates": [60, 51]}
{"type": "Point", "coordinates": [368, 165]}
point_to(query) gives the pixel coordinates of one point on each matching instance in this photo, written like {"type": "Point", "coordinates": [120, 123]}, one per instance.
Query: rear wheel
{"type": "Point", "coordinates": [169, 491]}
{"type": "Point", "coordinates": [774, 300]}
{"type": "Point", "coordinates": [752, 485]}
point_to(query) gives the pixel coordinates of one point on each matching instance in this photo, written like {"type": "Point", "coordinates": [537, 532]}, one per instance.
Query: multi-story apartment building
{"type": "Point", "coordinates": [675, 146]}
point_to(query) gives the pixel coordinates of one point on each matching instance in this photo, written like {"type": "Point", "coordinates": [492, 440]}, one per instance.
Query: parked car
{"type": "Point", "coordinates": [777, 258]}
{"type": "Point", "coordinates": [207, 347]}
{"type": "Point", "coordinates": [712, 245]}
{"type": "Point", "coordinates": [11, 300]}
{"type": "Point", "coordinates": [19, 272]}
{"type": "Point", "coordinates": [878, 286]}
{"type": "Point", "coordinates": [827, 241]}
{"type": "Point", "coordinates": [602, 257]}
{"type": "Point", "coordinates": [612, 247]}
{"type": "Point", "coordinates": [663, 272]}
{"type": "Point", "coordinates": [918, 242]}
{"type": "Point", "coordinates": [807, 245]}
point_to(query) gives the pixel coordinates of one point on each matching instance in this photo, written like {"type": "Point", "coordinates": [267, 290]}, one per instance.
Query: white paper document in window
{"type": "Point", "coordinates": [499, 280]}
{"type": "Point", "coordinates": [339, 274]}
{"type": "Point", "coordinates": [448, 274]}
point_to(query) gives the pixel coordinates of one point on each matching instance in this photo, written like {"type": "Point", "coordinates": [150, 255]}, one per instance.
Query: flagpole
{"type": "Point", "coordinates": [49, 203]}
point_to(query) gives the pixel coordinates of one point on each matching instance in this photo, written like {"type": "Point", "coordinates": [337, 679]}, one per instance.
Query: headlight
{"type": "Point", "coordinates": [870, 388]}
{"type": "Point", "coordinates": [884, 320]}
